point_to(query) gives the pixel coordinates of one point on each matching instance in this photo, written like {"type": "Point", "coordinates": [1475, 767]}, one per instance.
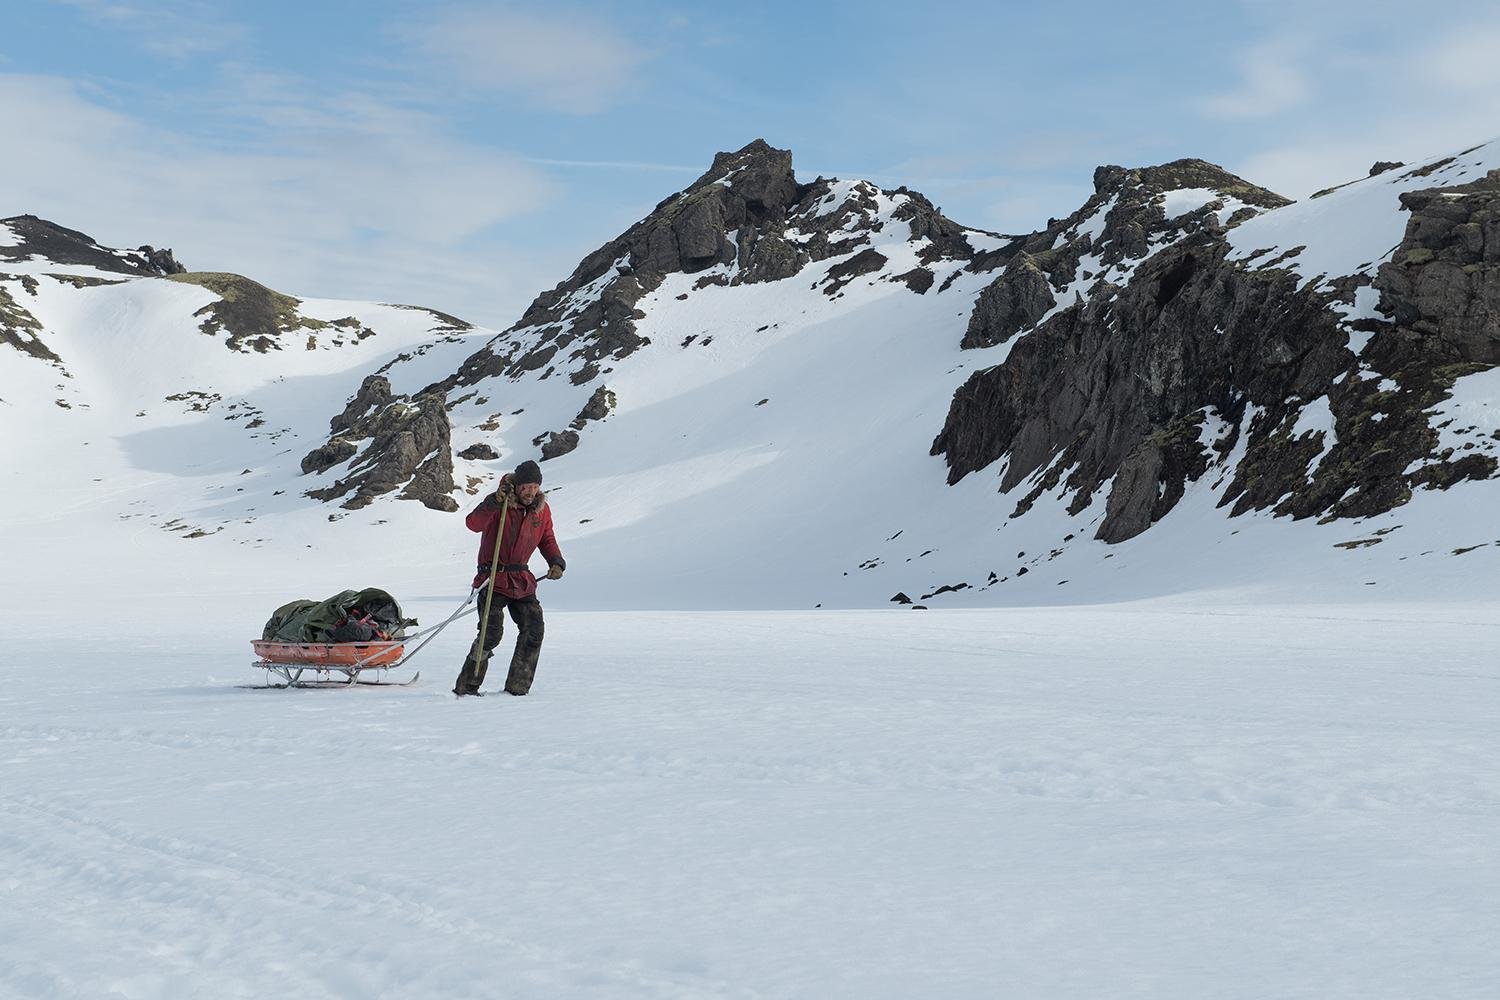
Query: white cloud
{"type": "Point", "coordinates": [1271, 82]}
{"type": "Point", "coordinates": [556, 61]}
{"type": "Point", "coordinates": [347, 198]}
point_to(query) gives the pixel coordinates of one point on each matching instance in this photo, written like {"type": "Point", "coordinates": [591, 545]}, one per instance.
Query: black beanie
{"type": "Point", "coordinates": [527, 472]}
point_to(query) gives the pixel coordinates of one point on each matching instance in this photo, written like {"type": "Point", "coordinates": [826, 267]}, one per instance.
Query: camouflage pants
{"type": "Point", "coordinates": [527, 614]}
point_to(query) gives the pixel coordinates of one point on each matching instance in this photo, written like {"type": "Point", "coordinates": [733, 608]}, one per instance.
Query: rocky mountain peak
{"type": "Point", "coordinates": [745, 220]}
{"type": "Point", "coordinates": [759, 173]}
{"type": "Point", "coordinates": [1184, 174]}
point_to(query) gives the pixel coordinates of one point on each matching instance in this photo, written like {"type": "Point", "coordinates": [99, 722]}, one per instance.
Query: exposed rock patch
{"type": "Point", "coordinates": [558, 444]}
{"type": "Point", "coordinates": [479, 453]}
{"type": "Point", "coordinates": [405, 446]}
{"type": "Point", "coordinates": [1444, 281]}
{"type": "Point", "coordinates": [918, 279]}
{"type": "Point", "coordinates": [1012, 302]}
{"type": "Point", "coordinates": [867, 261]}
{"type": "Point", "coordinates": [252, 317]}
{"type": "Point", "coordinates": [19, 328]}
{"type": "Point", "coordinates": [599, 406]}
{"type": "Point", "coordinates": [555, 444]}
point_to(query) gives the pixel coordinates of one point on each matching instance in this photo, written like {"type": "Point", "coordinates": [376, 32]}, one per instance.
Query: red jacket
{"type": "Point", "coordinates": [527, 528]}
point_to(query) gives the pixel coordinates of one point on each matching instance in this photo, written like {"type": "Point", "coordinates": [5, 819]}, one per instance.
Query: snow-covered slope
{"type": "Point", "coordinates": [142, 411]}
{"type": "Point", "coordinates": [737, 401]}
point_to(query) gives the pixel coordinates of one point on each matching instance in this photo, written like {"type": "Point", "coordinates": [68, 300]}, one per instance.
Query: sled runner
{"type": "Point", "coordinates": [329, 661]}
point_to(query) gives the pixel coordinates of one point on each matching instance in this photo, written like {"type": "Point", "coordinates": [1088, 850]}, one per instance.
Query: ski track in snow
{"type": "Point", "coordinates": [1167, 798]}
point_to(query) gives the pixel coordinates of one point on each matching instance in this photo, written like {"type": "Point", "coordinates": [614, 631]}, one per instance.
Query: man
{"type": "Point", "coordinates": [528, 526]}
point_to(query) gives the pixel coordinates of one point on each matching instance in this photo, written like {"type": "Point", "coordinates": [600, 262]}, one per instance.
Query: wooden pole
{"type": "Point", "coordinates": [489, 594]}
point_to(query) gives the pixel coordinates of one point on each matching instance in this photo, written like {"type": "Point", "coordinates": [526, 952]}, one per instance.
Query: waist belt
{"type": "Point", "coordinates": [504, 568]}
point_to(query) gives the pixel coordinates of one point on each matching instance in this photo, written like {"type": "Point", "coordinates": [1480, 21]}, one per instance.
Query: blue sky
{"type": "Point", "coordinates": [467, 155]}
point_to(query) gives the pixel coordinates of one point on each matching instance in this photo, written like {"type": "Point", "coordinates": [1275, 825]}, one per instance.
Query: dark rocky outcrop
{"type": "Point", "coordinates": [18, 327]}
{"type": "Point", "coordinates": [374, 394]}
{"type": "Point", "coordinates": [1150, 384]}
{"type": "Point", "coordinates": [1444, 281]}
{"type": "Point", "coordinates": [326, 456]}
{"type": "Point", "coordinates": [558, 444]}
{"type": "Point", "coordinates": [867, 261]}
{"type": "Point", "coordinates": [1153, 477]}
{"type": "Point", "coordinates": [1009, 304]}
{"type": "Point", "coordinates": [949, 240]}
{"type": "Point", "coordinates": [1112, 385]}
{"type": "Point", "coordinates": [1037, 268]}
{"type": "Point", "coordinates": [405, 446]}
{"type": "Point", "coordinates": [771, 257]}
{"type": "Point", "coordinates": [480, 452]}
{"type": "Point", "coordinates": [599, 406]}
{"type": "Point", "coordinates": [918, 279]}
{"type": "Point", "coordinates": [161, 261]}
{"type": "Point", "coordinates": [555, 444]}
{"type": "Point", "coordinates": [592, 314]}
{"type": "Point", "coordinates": [38, 237]}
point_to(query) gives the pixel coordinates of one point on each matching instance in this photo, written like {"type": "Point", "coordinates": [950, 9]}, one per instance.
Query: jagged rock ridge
{"type": "Point", "coordinates": [406, 447]}
{"type": "Point", "coordinates": [748, 216]}
{"type": "Point", "coordinates": [1149, 384]}
{"type": "Point", "coordinates": [1131, 214]}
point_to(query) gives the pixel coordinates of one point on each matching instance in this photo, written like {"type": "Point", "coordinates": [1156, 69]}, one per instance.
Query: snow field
{"type": "Point", "coordinates": [1160, 799]}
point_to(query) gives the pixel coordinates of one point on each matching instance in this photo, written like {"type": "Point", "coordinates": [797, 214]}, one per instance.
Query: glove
{"type": "Point", "coordinates": [554, 572]}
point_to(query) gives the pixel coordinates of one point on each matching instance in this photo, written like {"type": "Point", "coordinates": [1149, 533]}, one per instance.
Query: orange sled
{"type": "Point", "coordinates": [332, 663]}
{"type": "Point", "coordinates": [339, 664]}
